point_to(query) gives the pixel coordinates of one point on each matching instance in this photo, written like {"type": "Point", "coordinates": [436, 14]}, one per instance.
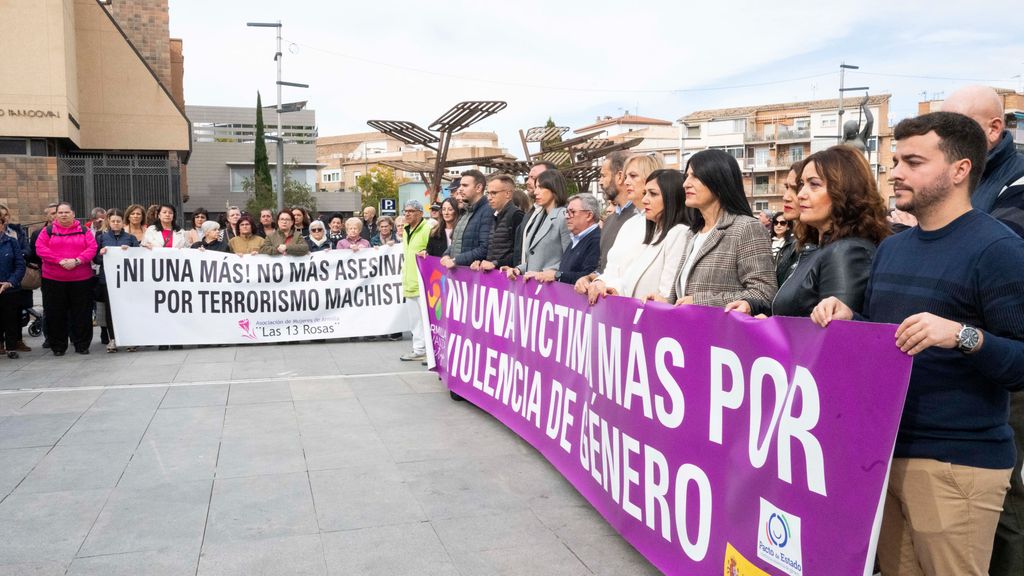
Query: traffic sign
{"type": "Point", "coordinates": [388, 207]}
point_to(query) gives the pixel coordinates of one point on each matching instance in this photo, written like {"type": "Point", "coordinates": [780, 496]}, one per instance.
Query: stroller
{"type": "Point", "coordinates": [33, 318]}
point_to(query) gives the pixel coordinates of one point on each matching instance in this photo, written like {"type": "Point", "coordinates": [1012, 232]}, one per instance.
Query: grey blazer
{"type": "Point", "coordinates": [545, 250]}
{"type": "Point", "coordinates": [735, 263]}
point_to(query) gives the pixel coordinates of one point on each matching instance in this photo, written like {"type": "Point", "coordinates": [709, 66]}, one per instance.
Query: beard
{"type": "Point", "coordinates": [611, 192]}
{"type": "Point", "coordinates": [922, 199]}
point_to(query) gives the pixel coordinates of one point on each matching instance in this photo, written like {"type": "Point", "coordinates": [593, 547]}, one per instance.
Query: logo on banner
{"type": "Point", "coordinates": [436, 292]}
{"type": "Point", "coordinates": [247, 331]}
{"type": "Point", "coordinates": [778, 539]}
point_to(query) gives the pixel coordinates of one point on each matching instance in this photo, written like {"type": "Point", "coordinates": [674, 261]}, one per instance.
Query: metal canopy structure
{"type": "Point", "coordinates": [459, 117]}
{"type": "Point", "coordinates": [575, 157]}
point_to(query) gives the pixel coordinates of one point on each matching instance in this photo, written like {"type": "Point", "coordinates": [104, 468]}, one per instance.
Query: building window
{"type": "Point", "coordinates": [760, 205]}
{"type": "Point", "coordinates": [238, 175]}
{"type": "Point", "coordinates": [828, 121]}
{"type": "Point", "coordinates": [796, 154]}
{"type": "Point", "coordinates": [734, 151]}
{"type": "Point", "coordinates": [693, 131]}
{"type": "Point", "coordinates": [721, 127]}
{"type": "Point", "coordinates": [802, 124]}
{"type": "Point", "coordinates": [671, 157]}
{"type": "Point", "coordinates": [761, 187]}
{"type": "Point", "coordinates": [892, 145]}
{"type": "Point", "coordinates": [14, 146]}
{"type": "Point", "coordinates": [331, 176]}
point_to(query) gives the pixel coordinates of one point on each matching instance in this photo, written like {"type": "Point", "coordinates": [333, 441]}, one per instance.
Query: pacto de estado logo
{"type": "Point", "coordinates": [778, 539]}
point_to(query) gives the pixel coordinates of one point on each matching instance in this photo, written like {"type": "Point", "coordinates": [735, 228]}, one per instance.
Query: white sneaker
{"type": "Point", "coordinates": [414, 356]}
{"type": "Point", "coordinates": [111, 346]}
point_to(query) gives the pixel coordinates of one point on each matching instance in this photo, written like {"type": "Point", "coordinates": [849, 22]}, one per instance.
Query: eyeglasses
{"type": "Point", "coordinates": [783, 223]}
{"type": "Point", "coordinates": [316, 229]}
{"type": "Point", "coordinates": [569, 212]}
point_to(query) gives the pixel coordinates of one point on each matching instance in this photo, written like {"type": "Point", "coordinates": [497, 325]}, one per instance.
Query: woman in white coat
{"type": "Point", "coordinates": [651, 271]}
{"type": "Point", "coordinates": [165, 233]}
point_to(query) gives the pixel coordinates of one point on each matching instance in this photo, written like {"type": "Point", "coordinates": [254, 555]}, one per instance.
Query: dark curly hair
{"type": "Point", "coordinates": [858, 210]}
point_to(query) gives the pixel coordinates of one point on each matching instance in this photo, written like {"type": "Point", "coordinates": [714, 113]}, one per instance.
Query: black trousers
{"type": "Point", "coordinates": [10, 318]}
{"type": "Point", "coordinates": [103, 296]}
{"type": "Point", "coordinates": [67, 307]}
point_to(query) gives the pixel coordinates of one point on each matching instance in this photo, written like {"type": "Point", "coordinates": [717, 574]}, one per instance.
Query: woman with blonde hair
{"type": "Point", "coordinates": [630, 239]}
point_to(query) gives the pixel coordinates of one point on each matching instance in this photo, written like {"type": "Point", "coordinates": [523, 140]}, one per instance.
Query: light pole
{"type": "Point", "coordinates": [278, 56]}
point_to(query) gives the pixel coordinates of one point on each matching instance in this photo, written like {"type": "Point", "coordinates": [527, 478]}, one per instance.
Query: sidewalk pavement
{"type": "Point", "coordinates": [298, 459]}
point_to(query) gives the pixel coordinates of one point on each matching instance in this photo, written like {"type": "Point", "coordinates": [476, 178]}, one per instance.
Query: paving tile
{"type": "Point", "coordinates": [96, 427]}
{"type": "Point", "coordinates": [206, 372]}
{"type": "Point", "coordinates": [269, 419]}
{"type": "Point", "coordinates": [45, 568]}
{"type": "Point", "coordinates": [168, 461]}
{"type": "Point", "coordinates": [612, 556]}
{"type": "Point", "coordinates": [321, 417]}
{"type": "Point", "coordinates": [15, 464]}
{"type": "Point", "coordinates": [375, 552]}
{"type": "Point", "coordinates": [260, 454]}
{"type": "Point", "coordinates": [460, 488]}
{"type": "Point", "coordinates": [363, 497]}
{"type": "Point", "coordinates": [259, 393]}
{"type": "Point", "coordinates": [201, 424]}
{"type": "Point", "coordinates": [10, 403]}
{"type": "Point", "coordinates": [514, 529]}
{"type": "Point", "coordinates": [23, 431]}
{"type": "Point", "coordinates": [192, 396]}
{"type": "Point", "coordinates": [292, 555]}
{"type": "Point", "coordinates": [262, 369]}
{"type": "Point", "coordinates": [73, 401]}
{"type": "Point", "coordinates": [573, 523]}
{"type": "Point", "coordinates": [170, 562]}
{"type": "Point", "coordinates": [150, 357]}
{"type": "Point", "coordinates": [38, 528]}
{"type": "Point", "coordinates": [552, 559]}
{"type": "Point", "coordinates": [87, 467]}
{"type": "Point", "coordinates": [246, 509]}
{"type": "Point", "coordinates": [425, 383]}
{"type": "Point", "coordinates": [344, 447]}
{"type": "Point", "coordinates": [151, 518]}
{"type": "Point", "coordinates": [208, 355]}
{"type": "Point", "coordinates": [125, 399]}
{"type": "Point", "coordinates": [379, 386]}
{"type": "Point", "coordinates": [320, 389]}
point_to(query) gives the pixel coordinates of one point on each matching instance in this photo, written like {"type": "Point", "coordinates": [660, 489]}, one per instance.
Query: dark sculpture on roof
{"type": "Point", "coordinates": [853, 134]}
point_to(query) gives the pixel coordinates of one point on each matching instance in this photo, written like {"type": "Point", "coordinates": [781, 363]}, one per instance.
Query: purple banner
{"type": "Point", "coordinates": [713, 442]}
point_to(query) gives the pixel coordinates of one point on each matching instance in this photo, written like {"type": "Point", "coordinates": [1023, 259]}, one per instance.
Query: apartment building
{"type": "Point", "coordinates": [1013, 110]}
{"type": "Point", "coordinates": [659, 137]}
{"type": "Point", "coordinates": [767, 139]}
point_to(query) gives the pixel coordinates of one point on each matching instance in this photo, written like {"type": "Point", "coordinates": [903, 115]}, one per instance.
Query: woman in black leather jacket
{"type": "Point", "coordinates": [842, 213]}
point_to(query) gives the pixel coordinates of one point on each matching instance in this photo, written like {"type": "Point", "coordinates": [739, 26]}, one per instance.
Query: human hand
{"type": "Point", "coordinates": [104, 250]}
{"type": "Point", "coordinates": [281, 248]}
{"type": "Point", "coordinates": [830, 309]}
{"type": "Point", "coordinates": [684, 300]}
{"type": "Point", "coordinates": [447, 262]}
{"type": "Point", "coordinates": [486, 265]}
{"type": "Point", "coordinates": [543, 276]}
{"type": "Point", "coordinates": [582, 284]}
{"type": "Point", "coordinates": [922, 331]}
{"type": "Point", "coordinates": [597, 289]}
{"type": "Point", "coordinates": [512, 272]}
{"type": "Point", "coordinates": [741, 306]}
{"type": "Point", "coordinates": [475, 265]}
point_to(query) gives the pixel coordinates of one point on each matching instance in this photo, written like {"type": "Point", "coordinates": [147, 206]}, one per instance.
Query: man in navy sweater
{"type": "Point", "coordinates": [955, 286]}
{"type": "Point", "coordinates": [582, 256]}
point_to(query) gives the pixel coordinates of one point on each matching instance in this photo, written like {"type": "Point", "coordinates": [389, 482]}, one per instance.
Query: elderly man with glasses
{"type": "Point", "coordinates": [583, 255]}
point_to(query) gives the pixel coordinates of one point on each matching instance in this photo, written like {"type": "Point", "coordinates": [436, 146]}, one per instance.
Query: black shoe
{"type": "Point", "coordinates": [58, 352]}
{"type": "Point", "coordinates": [395, 337]}
{"type": "Point", "coordinates": [13, 355]}
{"type": "Point", "coordinates": [81, 350]}
{"type": "Point", "coordinates": [104, 338]}
{"type": "Point", "coordinates": [163, 347]}
{"type": "Point", "coordinates": [456, 397]}
{"type": "Point", "coordinates": [177, 347]}
{"type": "Point", "coordinates": [46, 343]}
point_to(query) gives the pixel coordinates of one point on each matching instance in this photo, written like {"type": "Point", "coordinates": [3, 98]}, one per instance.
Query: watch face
{"type": "Point", "coordinates": [968, 338]}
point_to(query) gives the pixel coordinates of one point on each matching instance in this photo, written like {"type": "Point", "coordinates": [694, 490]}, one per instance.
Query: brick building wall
{"type": "Point", "coordinates": [27, 185]}
{"type": "Point", "coordinates": [147, 25]}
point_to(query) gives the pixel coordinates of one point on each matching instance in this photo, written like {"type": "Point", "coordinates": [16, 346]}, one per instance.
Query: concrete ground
{"type": "Point", "coordinates": [292, 459]}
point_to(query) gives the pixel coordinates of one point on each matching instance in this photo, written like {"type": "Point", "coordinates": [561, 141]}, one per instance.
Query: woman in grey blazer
{"type": "Point", "coordinates": [545, 236]}
{"type": "Point", "coordinates": [728, 255]}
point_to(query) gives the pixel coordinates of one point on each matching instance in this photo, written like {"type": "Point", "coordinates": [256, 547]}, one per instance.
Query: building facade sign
{"type": "Point", "coordinates": [27, 113]}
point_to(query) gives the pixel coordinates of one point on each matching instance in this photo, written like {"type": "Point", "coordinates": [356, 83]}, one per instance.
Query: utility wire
{"type": "Point", "coordinates": [547, 87]}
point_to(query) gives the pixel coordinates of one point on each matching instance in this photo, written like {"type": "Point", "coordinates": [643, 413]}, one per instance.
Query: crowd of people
{"type": "Point", "coordinates": [946, 266]}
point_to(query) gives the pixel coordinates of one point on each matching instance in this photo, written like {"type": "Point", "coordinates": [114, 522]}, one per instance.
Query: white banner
{"type": "Point", "coordinates": [170, 296]}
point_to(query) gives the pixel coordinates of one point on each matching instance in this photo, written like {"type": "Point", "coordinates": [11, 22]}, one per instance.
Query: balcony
{"type": "Point", "coordinates": [781, 135]}
{"type": "Point", "coordinates": [764, 190]}
{"type": "Point", "coordinates": [785, 135]}
{"type": "Point", "coordinates": [759, 164]}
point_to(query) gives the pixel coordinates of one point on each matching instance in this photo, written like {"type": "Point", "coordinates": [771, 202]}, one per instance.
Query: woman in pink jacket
{"type": "Point", "coordinates": [66, 248]}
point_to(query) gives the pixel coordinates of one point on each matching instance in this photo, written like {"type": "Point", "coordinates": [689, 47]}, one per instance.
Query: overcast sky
{"type": "Point", "coordinates": [576, 60]}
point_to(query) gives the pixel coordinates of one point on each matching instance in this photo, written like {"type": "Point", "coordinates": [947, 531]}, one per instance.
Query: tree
{"type": "Point", "coordinates": [296, 193]}
{"type": "Point", "coordinates": [571, 189]}
{"type": "Point", "coordinates": [376, 184]}
{"type": "Point", "coordinates": [263, 188]}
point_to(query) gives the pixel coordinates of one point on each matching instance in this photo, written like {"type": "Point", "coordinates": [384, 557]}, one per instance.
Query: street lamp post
{"type": "Point", "coordinates": [278, 57]}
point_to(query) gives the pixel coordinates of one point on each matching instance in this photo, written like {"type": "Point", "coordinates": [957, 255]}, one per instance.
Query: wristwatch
{"type": "Point", "coordinates": [558, 274]}
{"type": "Point", "coordinates": [967, 339]}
